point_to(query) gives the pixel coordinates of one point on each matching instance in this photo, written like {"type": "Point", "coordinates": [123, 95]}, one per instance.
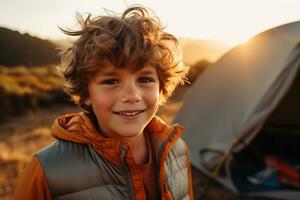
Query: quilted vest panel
{"type": "Point", "coordinates": [75, 171]}
{"type": "Point", "coordinates": [177, 171]}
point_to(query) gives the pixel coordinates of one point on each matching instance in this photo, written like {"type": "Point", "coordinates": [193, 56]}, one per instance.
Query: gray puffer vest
{"type": "Point", "coordinates": [76, 172]}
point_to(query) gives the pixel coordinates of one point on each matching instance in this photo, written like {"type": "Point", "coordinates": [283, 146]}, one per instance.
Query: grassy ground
{"type": "Point", "coordinates": [20, 137]}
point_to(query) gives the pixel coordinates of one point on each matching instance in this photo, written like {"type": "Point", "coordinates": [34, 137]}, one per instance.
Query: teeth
{"type": "Point", "coordinates": [128, 114]}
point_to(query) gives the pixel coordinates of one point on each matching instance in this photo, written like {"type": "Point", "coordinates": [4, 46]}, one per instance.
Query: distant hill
{"type": "Point", "coordinates": [24, 49]}
{"type": "Point", "coordinates": [195, 50]}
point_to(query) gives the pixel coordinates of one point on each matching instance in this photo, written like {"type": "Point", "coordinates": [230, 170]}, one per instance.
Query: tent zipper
{"type": "Point", "coordinates": [127, 173]}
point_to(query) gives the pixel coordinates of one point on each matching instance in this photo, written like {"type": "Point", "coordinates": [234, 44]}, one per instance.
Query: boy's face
{"type": "Point", "coordinates": [123, 101]}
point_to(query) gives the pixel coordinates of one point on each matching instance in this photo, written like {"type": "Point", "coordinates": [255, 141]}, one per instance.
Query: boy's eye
{"type": "Point", "coordinates": [146, 80]}
{"type": "Point", "coordinates": [110, 82]}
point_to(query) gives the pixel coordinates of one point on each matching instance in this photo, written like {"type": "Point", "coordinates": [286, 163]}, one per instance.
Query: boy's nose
{"type": "Point", "coordinates": [130, 94]}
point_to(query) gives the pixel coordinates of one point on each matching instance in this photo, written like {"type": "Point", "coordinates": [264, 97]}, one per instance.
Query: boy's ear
{"type": "Point", "coordinates": [87, 101]}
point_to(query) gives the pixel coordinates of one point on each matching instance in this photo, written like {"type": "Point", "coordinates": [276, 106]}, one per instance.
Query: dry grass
{"type": "Point", "coordinates": [20, 138]}
{"type": "Point", "coordinates": [21, 80]}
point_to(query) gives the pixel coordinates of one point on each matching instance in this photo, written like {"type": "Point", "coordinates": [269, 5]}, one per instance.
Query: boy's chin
{"type": "Point", "coordinates": [129, 134]}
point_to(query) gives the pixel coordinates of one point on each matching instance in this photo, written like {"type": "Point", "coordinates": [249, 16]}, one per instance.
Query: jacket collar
{"type": "Point", "coordinates": [80, 128]}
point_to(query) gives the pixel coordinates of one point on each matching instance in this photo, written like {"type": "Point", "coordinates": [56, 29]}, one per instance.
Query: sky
{"type": "Point", "coordinates": [228, 21]}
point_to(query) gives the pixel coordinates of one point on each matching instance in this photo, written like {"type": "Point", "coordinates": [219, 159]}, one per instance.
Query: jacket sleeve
{"type": "Point", "coordinates": [32, 183]}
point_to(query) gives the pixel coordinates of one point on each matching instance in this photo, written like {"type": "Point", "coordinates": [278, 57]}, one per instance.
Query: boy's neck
{"type": "Point", "coordinates": [139, 148]}
{"type": "Point", "coordinates": [138, 144]}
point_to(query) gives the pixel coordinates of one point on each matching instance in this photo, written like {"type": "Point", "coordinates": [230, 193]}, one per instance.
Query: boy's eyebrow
{"type": "Point", "coordinates": [109, 73]}
{"type": "Point", "coordinates": [147, 72]}
{"type": "Point", "coordinates": [115, 73]}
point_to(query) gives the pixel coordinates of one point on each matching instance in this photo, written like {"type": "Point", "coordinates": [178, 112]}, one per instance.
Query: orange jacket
{"type": "Point", "coordinates": [79, 128]}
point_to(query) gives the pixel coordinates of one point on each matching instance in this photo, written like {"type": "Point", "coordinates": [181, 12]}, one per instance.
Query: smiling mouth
{"type": "Point", "coordinates": [129, 113]}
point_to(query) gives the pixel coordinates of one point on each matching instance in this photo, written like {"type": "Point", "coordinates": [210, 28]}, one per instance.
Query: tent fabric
{"type": "Point", "coordinates": [228, 104]}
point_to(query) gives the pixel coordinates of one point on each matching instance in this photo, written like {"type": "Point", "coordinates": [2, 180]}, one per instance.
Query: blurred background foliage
{"type": "Point", "coordinates": [23, 89]}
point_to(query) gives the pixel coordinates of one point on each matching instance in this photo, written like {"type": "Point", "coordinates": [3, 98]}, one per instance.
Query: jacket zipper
{"type": "Point", "coordinates": [163, 145]}
{"type": "Point", "coordinates": [127, 173]}
{"type": "Point", "coordinates": [160, 152]}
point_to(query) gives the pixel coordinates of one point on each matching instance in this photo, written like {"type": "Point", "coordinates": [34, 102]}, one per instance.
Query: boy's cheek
{"type": "Point", "coordinates": [152, 96]}
{"type": "Point", "coordinates": [154, 103]}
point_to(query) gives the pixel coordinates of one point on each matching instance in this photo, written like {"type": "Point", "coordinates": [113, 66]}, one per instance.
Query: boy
{"type": "Point", "coordinates": [118, 70]}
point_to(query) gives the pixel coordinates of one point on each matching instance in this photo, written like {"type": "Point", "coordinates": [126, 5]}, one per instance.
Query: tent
{"type": "Point", "coordinates": [243, 111]}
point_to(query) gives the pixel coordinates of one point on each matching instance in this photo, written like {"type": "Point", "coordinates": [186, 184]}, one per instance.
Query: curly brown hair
{"type": "Point", "coordinates": [133, 40]}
